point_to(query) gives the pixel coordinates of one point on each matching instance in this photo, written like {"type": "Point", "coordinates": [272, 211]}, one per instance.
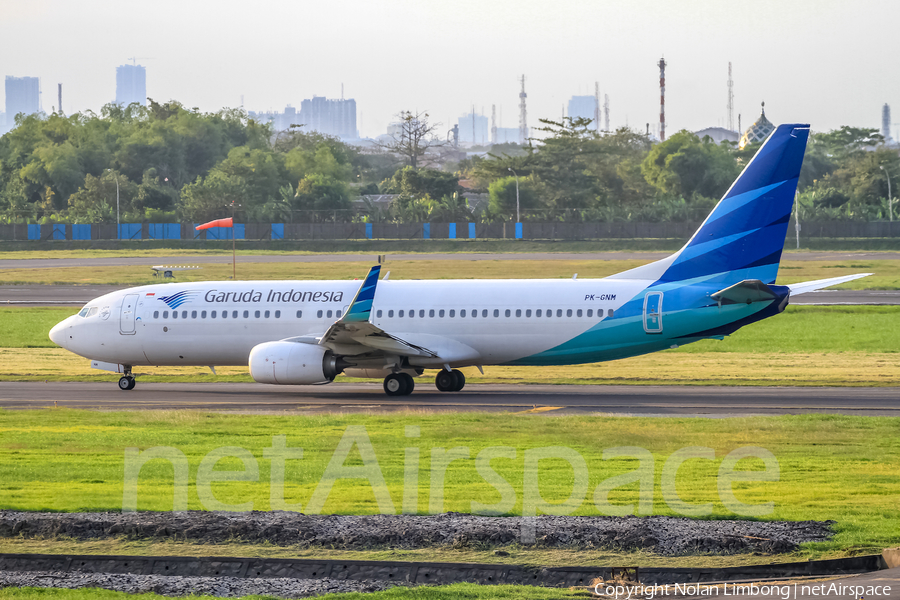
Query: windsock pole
{"type": "Point", "coordinates": [229, 222]}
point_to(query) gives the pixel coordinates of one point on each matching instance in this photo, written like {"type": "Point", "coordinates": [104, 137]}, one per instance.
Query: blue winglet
{"type": "Point", "coordinates": [361, 307]}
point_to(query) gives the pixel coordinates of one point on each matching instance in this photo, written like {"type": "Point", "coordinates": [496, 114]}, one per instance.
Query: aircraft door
{"type": "Point", "coordinates": [126, 320]}
{"type": "Point", "coordinates": [653, 312]}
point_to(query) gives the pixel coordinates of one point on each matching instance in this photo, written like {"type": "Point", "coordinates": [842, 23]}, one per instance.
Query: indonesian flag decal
{"type": "Point", "coordinates": [217, 223]}
{"type": "Point", "coordinates": [151, 293]}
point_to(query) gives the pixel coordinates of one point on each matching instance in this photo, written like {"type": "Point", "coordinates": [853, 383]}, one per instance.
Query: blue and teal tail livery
{"type": "Point", "coordinates": [743, 236]}
{"type": "Point", "coordinates": [361, 307]}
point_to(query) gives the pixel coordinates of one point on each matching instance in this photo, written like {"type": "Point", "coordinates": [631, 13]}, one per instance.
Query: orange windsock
{"type": "Point", "coordinates": [217, 223]}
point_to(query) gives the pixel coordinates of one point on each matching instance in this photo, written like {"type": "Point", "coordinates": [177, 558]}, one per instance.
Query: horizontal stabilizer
{"type": "Point", "coordinates": [745, 292]}
{"type": "Point", "coordinates": [818, 284]}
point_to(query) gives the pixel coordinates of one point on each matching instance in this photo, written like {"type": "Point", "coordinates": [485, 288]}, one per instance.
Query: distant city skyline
{"type": "Point", "coordinates": [805, 58]}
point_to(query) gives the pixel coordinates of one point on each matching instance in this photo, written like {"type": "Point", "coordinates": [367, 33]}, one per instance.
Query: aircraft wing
{"type": "Point", "coordinates": [818, 284]}
{"type": "Point", "coordinates": [355, 329]}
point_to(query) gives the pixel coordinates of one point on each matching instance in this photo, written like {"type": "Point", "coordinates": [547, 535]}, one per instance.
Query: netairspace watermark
{"type": "Point", "coordinates": [533, 502]}
{"type": "Point", "coordinates": [788, 591]}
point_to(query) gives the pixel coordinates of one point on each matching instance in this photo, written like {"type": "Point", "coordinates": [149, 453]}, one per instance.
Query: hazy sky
{"type": "Point", "coordinates": [826, 62]}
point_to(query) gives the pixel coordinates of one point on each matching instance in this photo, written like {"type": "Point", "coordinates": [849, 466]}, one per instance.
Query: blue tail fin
{"type": "Point", "coordinates": [743, 236]}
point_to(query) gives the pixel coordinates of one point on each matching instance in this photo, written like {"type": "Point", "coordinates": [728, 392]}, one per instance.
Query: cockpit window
{"type": "Point", "coordinates": [84, 312]}
{"type": "Point", "coordinates": [93, 311]}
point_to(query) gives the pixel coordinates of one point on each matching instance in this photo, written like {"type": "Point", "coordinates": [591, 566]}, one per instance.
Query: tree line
{"type": "Point", "coordinates": [168, 163]}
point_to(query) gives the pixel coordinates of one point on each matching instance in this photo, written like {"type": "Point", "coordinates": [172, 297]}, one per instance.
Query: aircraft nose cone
{"type": "Point", "coordinates": [58, 334]}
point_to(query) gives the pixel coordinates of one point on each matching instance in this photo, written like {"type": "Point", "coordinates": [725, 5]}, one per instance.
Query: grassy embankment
{"type": "Point", "coordinates": [831, 467]}
{"type": "Point", "coordinates": [806, 345]}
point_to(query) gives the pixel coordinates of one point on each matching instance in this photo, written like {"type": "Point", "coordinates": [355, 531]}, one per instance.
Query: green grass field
{"type": "Point", "coordinates": [831, 467]}
{"type": "Point", "coordinates": [806, 345]}
{"type": "Point", "coordinates": [886, 272]}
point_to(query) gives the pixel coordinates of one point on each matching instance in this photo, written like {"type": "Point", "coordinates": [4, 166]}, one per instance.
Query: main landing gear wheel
{"type": "Point", "coordinates": [126, 383]}
{"type": "Point", "coordinates": [460, 380]}
{"type": "Point", "coordinates": [398, 384]}
{"type": "Point", "coordinates": [449, 381]}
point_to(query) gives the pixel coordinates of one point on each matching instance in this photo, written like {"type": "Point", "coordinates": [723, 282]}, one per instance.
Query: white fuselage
{"type": "Point", "coordinates": [218, 323]}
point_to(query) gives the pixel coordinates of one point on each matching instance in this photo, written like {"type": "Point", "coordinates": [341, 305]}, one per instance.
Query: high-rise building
{"type": "Point", "coordinates": [473, 129]}
{"type": "Point", "coordinates": [331, 117]}
{"type": "Point", "coordinates": [23, 95]}
{"type": "Point", "coordinates": [131, 85]}
{"type": "Point", "coordinates": [584, 107]}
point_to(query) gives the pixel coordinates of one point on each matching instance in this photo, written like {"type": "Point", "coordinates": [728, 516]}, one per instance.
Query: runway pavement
{"type": "Point", "coordinates": [149, 261]}
{"type": "Point", "coordinates": [78, 295]}
{"type": "Point", "coordinates": [540, 399]}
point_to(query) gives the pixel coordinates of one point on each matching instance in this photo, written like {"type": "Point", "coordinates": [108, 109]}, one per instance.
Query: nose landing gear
{"type": "Point", "coordinates": [127, 382]}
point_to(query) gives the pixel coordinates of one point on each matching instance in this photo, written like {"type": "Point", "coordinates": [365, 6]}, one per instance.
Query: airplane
{"type": "Point", "coordinates": [308, 332]}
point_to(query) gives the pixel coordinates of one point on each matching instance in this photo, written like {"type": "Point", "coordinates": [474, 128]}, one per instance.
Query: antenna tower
{"type": "Point", "coordinates": [493, 123]}
{"type": "Point", "coordinates": [730, 123]}
{"type": "Point", "coordinates": [597, 105]}
{"type": "Point", "coordinates": [523, 114]}
{"type": "Point", "coordinates": [662, 99]}
{"type": "Point", "coordinates": [885, 123]}
{"type": "Point", "coordinates": [61, 110]}
{"type": "Point", "coordinates": [605, 112]}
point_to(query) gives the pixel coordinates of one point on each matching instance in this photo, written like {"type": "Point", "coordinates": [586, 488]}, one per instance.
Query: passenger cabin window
{"type": "Point", "coordinates": [165, 314]}
{"type": "Point", "coordinates": [203, 314]}
{"type": "Point", "coordinates": [558, 312]}
{"type": "Point", "coordinates": [484, 313]}
{"type": "Point", "coordinates": [390, 313]}
{"type": "Point", "coordinates": [590, 312]}
{"type": "Point", "coordinates": [507, 313]}
{"type": "Point", "coordinates": [266, 314]}
{"type": "Point", "coordinates": [518, 312]}
{"type": "Point", "coordinates": [569, 312]}
{"type": "Point", "coordinates": [174, 314]}
{"type": "Point", "coordinates": [155, 314]}
{"type": "Point", "coordinates": [193, 314]}
{"type": "Point", "coordinates": [452, 313]}
{"type": "Point", "coordinates": [299, 314]}
{"type": "Point", "coordinates": [400, 313]}
{"type": "Point", "coordinates": [319, 314]}
{"type": "Point", "coordinates": [528, 312]}
{"type": "Point", "coordinates": [378, 314]}
{"type": "Point", "coordinates": [609, 313]}
{"type": "Point", "coordinates": [224, 314]}
{"type": "Point", "coordinates": [338, 314]}
{"type": "Point", "coordinates": [537, 313]}
{"type": "Point", "coordinates": [277, 314]}
{"type": "Point", "coordinates": [578, 314]}
{"type": "Point", "coordinates": [441, 313]}
{"type": "Point", "coordinates": [256, 314]}
{"type": "Point", "coordinates": [422, 313]}
{"type": "Point", "coordinates": [328, 314]}
{"type": "Point", "coordinates": [462, 313]}
{"type": "Point", "coordinates": [496, 312]}
{"type": "Point", "coordinates": [234, 314]}
{"type": "Point", "coordinates": [213, 314]}
{"type": "Point", "coordinates": [246, 314]}
{"type": "Point", "coordinates": [431, 313]}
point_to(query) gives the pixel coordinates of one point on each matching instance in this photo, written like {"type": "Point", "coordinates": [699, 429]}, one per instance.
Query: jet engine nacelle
{"type": "Point", "coordinates": [291, 363]}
